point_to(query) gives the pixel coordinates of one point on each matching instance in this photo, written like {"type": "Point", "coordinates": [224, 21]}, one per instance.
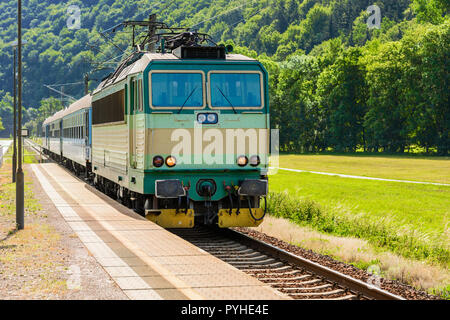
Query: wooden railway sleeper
{"type": "Point", "coordinates": [316, 294]}
{"type": "Point", "coordinates": [248, 265]}
{"type": "Point", "coordinates": [276, 271]}
{"type": "Point", "coordinates": [294, 282]}
{"type": "Point", "coordinates": [241, 255]}
{"type": "Point", "coordinates": [258, 258]}
{"type": "Point", "coordinates": [244, 250]}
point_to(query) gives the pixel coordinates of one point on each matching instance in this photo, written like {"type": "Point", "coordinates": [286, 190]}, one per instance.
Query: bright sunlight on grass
{"type": "Point", "coordinates": [414, 168]}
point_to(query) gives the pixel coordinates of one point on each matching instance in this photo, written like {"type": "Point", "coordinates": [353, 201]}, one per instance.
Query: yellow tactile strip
{"type": "Point", "coordinates": [145, 260]}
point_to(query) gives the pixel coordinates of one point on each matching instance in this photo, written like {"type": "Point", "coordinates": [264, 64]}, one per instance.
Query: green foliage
{"type": "Point", "coordinates": [384, 96]}
{"type": "Point", "coordinates": [432, 11]}
{"type": "Point", "coordinates": [48, 107]}
{"type": "Point", "coordinates": [334, 84]}
{"type": "Point", "coordinates": [341, 88]}
{"type": "Point", "coordinates": [6, 114]}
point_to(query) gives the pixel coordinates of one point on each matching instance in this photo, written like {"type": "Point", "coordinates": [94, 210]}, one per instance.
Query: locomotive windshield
{"type": "Point", "coordinates": [177, 90]}
{"type": "Point", "coordinates": [236, 90]}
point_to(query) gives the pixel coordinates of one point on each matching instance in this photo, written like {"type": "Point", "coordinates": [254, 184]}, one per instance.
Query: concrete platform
{"type": "Point", "coordinates": [145, 260]}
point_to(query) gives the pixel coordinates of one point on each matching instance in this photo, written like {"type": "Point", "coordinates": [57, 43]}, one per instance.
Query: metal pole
{"type": "Point", "coordinates": [151, 32]}
{"type": "Point", "coordinates": [14, 159]}
{"type": "Point", "coordinates": [86, 84]}
{"type": "Point", "coordinates": [20, 177]}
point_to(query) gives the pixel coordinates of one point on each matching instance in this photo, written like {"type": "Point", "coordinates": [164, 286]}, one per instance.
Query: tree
{"type": "Point", "coordinates": [426, 52]}
{"type": "Point", "coordinates": [6, 114]}
{"type": "Point", "coordinates": [48, 107]}
{"type": "Point", "coordinates": [341, 90]}
{"type": "Point", "coordinates": [296, 112]}
{"type": "Point", "coordinates": [315, 29]}
{"type": "Point", "coordinates": [387, 115]}
{"type": "Point", "coordinates": [432, 11]}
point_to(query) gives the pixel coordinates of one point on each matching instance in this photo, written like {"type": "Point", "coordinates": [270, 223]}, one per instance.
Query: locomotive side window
{"type": "Point", "coordinates": [236, 90]}
{"type": "Point", "coordinates": [175, 90]}
{"type": "Point", "coordinates": [138, 104]}
{"type": "Point", "coordinates": [109, 109]}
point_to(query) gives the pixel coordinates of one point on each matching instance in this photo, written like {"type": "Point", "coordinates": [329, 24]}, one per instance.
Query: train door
{"type": "Point", "coordinates": [87, 144]}
{"type": "Point", "coordinates": [132, 122]}
{"type": "Point", "coordinates": [61, 136]}
{"type": "Point", "coordinates": [47, 136]}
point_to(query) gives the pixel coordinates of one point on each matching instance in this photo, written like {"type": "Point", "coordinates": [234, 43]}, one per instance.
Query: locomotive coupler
{"type": "Point", "coordinates": [209, 216]}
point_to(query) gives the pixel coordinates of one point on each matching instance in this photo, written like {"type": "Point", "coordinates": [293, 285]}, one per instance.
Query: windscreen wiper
{"type": "Point", "coordinates": [227, 99]}
{"type": "Point", "coordinates": [192, 92]}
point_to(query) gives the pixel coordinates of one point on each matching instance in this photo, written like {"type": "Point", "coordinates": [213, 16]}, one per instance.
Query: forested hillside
{"type": "Point", "coordinates": [335, 84]}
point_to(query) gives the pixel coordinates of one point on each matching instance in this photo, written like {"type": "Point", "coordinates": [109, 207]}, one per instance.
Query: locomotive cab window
{"type": "Point", "coordinates": [242, 90]}
{"type": "Point", "coordinates": [174, 90]}
{"type": "Point", "coordinates": [138, 104]}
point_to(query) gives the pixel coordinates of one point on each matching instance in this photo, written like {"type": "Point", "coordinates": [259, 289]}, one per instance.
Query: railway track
{"type": "Point", "coordinates": [294, 276]}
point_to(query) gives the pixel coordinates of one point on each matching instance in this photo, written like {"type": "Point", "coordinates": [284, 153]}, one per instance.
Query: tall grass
{"type": "Point", "coordinates": [382, 233]}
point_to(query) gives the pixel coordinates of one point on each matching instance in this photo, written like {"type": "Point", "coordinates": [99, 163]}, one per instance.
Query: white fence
{"type": "Point", "coordinates": [1, 155]}
{"type": "Point", "coordinates": [3, 150]}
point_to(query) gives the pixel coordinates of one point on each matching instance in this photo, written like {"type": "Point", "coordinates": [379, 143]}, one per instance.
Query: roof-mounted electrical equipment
{"type": "Point", "coordinates": [200, 52]}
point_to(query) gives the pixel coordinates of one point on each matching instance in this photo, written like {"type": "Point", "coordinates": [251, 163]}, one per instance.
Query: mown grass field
{"type": "Point", "coordinates": [407, 220]}
{"type": "Point", "coordinates": [410, 219]}
{"type": "Point", "coordinates": [413, 168]}
{"type": "Point", "coordinates": [424, 207]}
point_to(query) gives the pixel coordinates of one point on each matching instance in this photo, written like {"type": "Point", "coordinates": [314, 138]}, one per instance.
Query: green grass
{"type": "Point", "coordinates": [414, 168]}
{"type": "Point", "coordinates": [28, 156]}
{"type": "Point", "coordinates": [8, 190]}
{"type": "Point", "coordinates": [409, 219]}
{"type": "Point", "coordinates": [443, 292]}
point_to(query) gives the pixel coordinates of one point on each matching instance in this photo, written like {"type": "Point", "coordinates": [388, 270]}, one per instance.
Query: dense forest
{"type": "Point", "coordinates": [336, 83]}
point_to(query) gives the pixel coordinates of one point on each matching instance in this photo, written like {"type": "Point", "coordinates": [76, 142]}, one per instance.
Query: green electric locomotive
{"type": "Point", "coordinates": [181, 134]}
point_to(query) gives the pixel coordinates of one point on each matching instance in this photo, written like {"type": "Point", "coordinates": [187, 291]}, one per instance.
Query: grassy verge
{"type": "Point", "coordinates": [434, 279]}
{"type": "Point", "coordinates": [31, 265]}
{"type": "Point", "coordinates": [384, 234]}
{"type": "Point", "coordinates": [414, 168]}
{"type": "Point", "coordinates": [28, 156]}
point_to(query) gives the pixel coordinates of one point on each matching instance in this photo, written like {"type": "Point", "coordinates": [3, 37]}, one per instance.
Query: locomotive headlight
{"type": "Point", "coordinates": [212, 118]}
{"type": "Point", "coordinates": [242, 161]}
{"type": "Point", "coordinates": [207, 118]}
{"type": "Point", "coordinates": [255, 161]}
{"type": "Point", "coordinates": [201, 118]}
{"type": "Point", "coordinates": [158, 161]}
{"type": "Point", "coordinates": [171, 161]}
